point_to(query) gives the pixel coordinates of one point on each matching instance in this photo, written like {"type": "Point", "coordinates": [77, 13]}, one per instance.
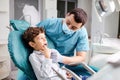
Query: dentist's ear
{"type": "Point", "coordinates": [67, 14]}
{"type": "Point", "coordinates": [32, 44]}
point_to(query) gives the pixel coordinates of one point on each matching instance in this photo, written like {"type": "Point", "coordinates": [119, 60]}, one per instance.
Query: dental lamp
{"type": "Point", "coordinates": [106, 7]}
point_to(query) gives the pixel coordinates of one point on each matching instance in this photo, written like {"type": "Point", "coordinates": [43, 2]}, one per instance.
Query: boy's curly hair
{"type": "Point", "coordinates": [31, 33]}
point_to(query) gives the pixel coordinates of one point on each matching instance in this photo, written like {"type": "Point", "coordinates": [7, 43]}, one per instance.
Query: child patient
{"type": "Point", "coordinates": [44, 60]}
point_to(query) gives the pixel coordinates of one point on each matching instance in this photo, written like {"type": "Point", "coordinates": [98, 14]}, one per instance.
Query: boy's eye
{"type": "Point", "coordinates": [39, 38]}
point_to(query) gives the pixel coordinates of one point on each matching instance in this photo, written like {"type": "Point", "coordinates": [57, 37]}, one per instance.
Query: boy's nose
{"type": "Point", "coordinates": [44, 39]}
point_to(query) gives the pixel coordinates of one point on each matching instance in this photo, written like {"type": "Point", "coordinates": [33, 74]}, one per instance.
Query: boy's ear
{"type": "Point", "coordinates": [31, 44]}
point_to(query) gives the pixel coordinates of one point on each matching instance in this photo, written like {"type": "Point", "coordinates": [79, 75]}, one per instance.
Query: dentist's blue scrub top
{"type": "Point", "coordinates": [66, 44]}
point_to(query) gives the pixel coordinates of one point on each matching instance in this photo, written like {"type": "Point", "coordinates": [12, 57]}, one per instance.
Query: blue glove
{"type": "Point", "coordinates": [56, 56]}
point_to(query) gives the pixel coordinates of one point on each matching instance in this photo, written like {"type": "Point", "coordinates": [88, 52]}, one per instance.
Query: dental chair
{"type": "Point", "coordinates": [19, 52]}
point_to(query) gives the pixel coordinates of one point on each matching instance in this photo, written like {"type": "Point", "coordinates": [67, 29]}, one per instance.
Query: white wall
{"type": "Point", "coordinates": [87, 6]}
{"type": "Point", "coordinates": [40, 4]}
{"type": "Point", "coordinates": [4, 31]}
{"type": "Point", "coordinates": [11, 7]}
{"type": "Point", "coordinates": [96, 24]}
{"type": "Point", "coordinates": [49, 8]}
{"type": "Point", "coordinates": [111, 24]}
{"type": "Point", "coordinates": [4, 21]}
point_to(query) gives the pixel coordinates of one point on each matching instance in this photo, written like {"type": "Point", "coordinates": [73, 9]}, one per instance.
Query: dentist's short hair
{"type": "Point", "coordinates": [80, 15]}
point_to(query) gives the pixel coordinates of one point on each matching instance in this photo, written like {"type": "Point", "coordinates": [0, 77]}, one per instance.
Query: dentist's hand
{"type": "Point", "coordinates": [56, 56]}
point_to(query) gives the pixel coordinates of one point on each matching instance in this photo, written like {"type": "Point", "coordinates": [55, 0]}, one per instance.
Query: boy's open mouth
{"type": "Point", "coordinates": [45, 44]}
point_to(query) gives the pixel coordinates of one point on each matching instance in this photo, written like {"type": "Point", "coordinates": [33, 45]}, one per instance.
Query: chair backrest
{"type": "Point", "coordinates": [19, 52]}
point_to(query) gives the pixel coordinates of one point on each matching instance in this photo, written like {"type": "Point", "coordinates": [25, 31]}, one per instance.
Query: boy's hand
{"type": "Point", "coordinates": [46, 51]}
{"type": "Point", "coordinates": [69, 76]}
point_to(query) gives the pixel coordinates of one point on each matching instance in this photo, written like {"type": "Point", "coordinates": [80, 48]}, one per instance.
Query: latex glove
{"type": "Point", "coordinates": [56, 56]}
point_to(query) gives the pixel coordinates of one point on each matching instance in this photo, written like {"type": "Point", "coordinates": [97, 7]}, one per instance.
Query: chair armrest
{"type": "Point", "coordinates": [88, 68]}
{"type": "Point", "coordinates": [85, 66]}
{"type": "Point", "coordinates": [72, 73]}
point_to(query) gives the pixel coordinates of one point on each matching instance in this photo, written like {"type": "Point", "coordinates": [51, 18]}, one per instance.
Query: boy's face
{"type": "Point", "coordinates": [39, 42]}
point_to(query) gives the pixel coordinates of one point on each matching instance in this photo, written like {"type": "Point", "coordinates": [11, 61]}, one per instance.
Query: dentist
{"type": "Point", "coordinates": [69, 36]}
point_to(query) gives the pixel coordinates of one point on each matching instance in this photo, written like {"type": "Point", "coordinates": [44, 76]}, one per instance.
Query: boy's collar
{"type": "Point", "coordinates": [38, 52]}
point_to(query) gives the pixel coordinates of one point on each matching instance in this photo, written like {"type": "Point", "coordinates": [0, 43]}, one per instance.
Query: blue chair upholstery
{"type": "Point", "coordinates": [19, 25]}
